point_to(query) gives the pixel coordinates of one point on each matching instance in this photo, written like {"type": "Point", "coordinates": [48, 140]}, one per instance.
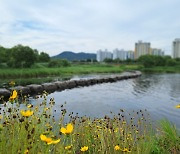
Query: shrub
{"type": "Point", "coordinates": [43, 57]}
{"type": "Point", "coordinates": [21, 56]}
{"type": "Point", "coordinates": [171, 62]}
{"type": "Point", "coordinates": [147, 60]}
{"type": "Point", "coordinates": [151, 61]}
{"type": "Point", "coordinates": [59, 63]}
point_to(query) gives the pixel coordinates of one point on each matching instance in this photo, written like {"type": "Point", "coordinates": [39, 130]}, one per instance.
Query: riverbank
{"type": "Point", "coordinates": [36, 128]}
{"type": "Point", "coordinates": [64, 71]}
{"type": "Point", "coordinates": [81, 69]}
{"type": "Point", "coordinates": [50, 87]}
{"type": "Point", "coordinates": [160, 69]}
{"type": "Point", "coordinates": [42, 74]}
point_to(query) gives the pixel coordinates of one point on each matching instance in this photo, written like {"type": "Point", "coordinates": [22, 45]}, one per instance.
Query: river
{"type": "Point", "coordinates": [158, 93]}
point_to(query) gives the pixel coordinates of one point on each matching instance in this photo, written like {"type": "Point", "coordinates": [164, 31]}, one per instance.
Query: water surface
{"type": "Point", "coordinates": [158, 93]}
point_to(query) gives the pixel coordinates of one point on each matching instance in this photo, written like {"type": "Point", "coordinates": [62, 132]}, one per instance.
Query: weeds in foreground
{"type": "Point", "coordinates": [33, 129]}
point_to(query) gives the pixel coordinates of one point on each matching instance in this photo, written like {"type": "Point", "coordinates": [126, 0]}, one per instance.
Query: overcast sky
{"type": "Point", "coordinates": [54, 26]}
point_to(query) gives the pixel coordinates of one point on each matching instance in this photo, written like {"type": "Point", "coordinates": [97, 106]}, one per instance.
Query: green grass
{"type": "Point", "coordinates": [130, 132]}
{"type": "Point", "coordinates": [76, 69]}
{"type": "Point", "coordinates": [26, 81]}
{"type": "Point", "coordinates": [41, 73]}
{"type": "Point", "coordinates": [162, 69]}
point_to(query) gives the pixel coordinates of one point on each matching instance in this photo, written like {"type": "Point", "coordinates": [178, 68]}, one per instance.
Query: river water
{"type": "Point", "coordinates": [158, 93]}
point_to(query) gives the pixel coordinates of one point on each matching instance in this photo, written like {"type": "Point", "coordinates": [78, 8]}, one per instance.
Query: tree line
{"type": "Point", "coordinates": [21, 56]}
{"type": "Point", "coordinates": [148, 61]}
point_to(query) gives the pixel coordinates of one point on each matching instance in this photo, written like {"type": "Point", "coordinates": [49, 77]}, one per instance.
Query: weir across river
{"type": "Point", "coordinates": [35, 89]}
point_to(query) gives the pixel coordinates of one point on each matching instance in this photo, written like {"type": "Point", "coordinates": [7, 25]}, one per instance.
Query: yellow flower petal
{"type": "Point", "coordinates": [63, 130]}
{"type": "Point", "coordinates": [48, 140]}
{"type": "Point", "coordinates": [83, 149]}
{"type": "Point", "coordinates": [68, 147]}
{"type": "Point", "coordinates": [117, 147]}
{"type": "Point", "coordinates": [69, 128]}
{"type": "Point", "coordinates": [29, 105]}
{"type": "Point", "coordinates": [13, 96]}
{"type": "Point", "coordinates": [26, 113]}
{"type": "Point", "coordinates": [26, 151]}
{"type": "Point", "coordinates": [54, 142]}
{"type": "Point", "coordinates": [43, 137]}
{"type": "Point", "coordinates": [178, 106]}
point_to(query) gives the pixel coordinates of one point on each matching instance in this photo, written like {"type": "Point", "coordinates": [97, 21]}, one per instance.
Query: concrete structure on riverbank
{"type": "Point", "coordinates": [176, 48]}
{"type": "Point", "coordinates": [142, 48]}
{"type": "Point", "coordinates": [35, 89]}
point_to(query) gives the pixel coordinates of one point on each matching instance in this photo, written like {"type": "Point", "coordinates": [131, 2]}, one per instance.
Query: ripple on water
{"type": "Point", "coordinates": [158, 93]}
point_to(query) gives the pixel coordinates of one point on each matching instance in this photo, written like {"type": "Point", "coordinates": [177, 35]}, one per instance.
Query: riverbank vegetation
{"type": "Point", "coordinates": [37, 128]}
{"type": "Point", "coordinates": [21, 56]}
{"type": "Point", "coordinates": [43, 71]}
{"type": "Point", "coordinates": [22, 62]}
{"type": "Point", "coordinates": [40, 73]}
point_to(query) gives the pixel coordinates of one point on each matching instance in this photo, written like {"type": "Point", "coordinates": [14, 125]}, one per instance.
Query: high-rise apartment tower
{"type": "Point", "coordinates": [176, 48]}
{"type": "Point", "coordinates": [142, 48]}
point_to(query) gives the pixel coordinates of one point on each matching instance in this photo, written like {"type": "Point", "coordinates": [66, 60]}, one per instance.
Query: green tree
{"type": "Point", "coordinates": [171, 62]}
{"type": "Point", "coordinates": [3, 54]}
{"type": "Point", "coordinates": [147, 60]}
{"type": "Point", "coordinates": [117, 60]}
{"type": "Point", "coordinates": [21, 56]}
{"type": "Point", "coordinates": [44, 57]}
{"type": "Point", "coordinates": [159, 60]}
{"type": "Point", "coordinates": [108, 60]}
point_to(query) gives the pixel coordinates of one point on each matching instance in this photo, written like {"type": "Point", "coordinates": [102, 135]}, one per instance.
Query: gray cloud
{"type": "Point", "coordinates": [54, 26]}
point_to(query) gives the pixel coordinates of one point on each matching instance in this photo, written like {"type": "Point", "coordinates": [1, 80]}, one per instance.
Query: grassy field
{"type": "Point", "coordinates": [75, 69]}
{"type": "Point", "coordinates": [40, 73]}
{"type": "Point", "coordinates": [43, 74]}
{"type": "Point", "coordinates": [33, 129]}
{"type": "Point", "coordinates": [167, 69]}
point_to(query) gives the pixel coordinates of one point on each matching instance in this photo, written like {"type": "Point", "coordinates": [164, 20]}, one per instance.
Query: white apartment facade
{"type": "Point", "coordinates": [119, 54]}
{"type": "Point", "coordinates": [157, 52]}
{"type": "Point", "coordinates": [130, 55]}
{"type": "Point", "coordinates": [176, 48]}
{"type": "Point", "coordinates": [101, 55]}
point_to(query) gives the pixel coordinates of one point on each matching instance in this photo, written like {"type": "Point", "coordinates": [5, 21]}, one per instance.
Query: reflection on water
{"type": "Point", "coordinates": [158, 93]}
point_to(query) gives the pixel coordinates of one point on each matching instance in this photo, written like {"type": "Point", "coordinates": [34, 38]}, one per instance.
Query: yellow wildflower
{"type": "Point", "coordinates": [12, 83]}
{"type": "Point", "coordinates": [126, 150]}
{"type": "Point", "coordinates": [116, 130]}
{"type": "Point", "coordinates": [68, 147]}
{"type": "Point", "coordinates": [67, 130]}
{"type": "Point", "coordinates": [84, 148]}
{"type": "Point", "coordinates": [45, 109]}
{"type": "Point", "coordinates": [26, 113]}
{"type": "Point", "coordinates": [29, 105]}
{"type": "Point", "coordinates": [26, 151]}
{"type": "Point", "coordinates": [117, 147]}
{"type": "Point", "coordinates": [13, 96]}
{"type": "Point", "coordinates": [48, 140]}
{"type": "Point", "coordinates": [124, 122]}
{"type": "Point", "coordinates": [1, 117]}
{"type": "Point", "coordinates": [178, 106]}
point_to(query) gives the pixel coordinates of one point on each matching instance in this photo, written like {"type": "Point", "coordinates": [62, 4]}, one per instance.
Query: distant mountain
{"type": "Point", "coordinates": [75, 56]}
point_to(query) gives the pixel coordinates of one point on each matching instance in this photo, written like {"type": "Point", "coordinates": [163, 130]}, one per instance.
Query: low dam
{"type": "Point", "coordinates": [35, 89]}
